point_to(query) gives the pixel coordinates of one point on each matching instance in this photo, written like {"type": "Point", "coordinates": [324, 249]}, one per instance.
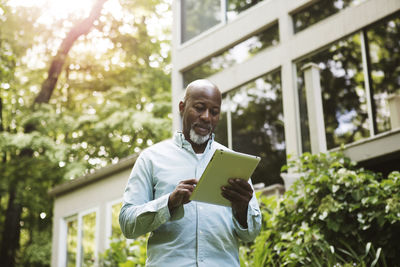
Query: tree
{"type": "Point", "coordinates": [57, 62]}
{"type": "Point", "coordinates": [11, 231]}
{"type": "Point", "coordinates": [104, 106]}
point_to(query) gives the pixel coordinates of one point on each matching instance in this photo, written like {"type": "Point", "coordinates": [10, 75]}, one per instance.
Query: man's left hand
{"type": "Point", "coordinates": [238, 192]}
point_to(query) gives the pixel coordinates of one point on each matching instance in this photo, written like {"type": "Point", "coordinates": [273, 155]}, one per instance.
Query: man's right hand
{"type": "Point", "coordinates": [181, 194]}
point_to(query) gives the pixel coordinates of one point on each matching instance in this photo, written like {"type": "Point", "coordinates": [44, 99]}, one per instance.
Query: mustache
{"type": "Point", "coordinates": [206, 126]}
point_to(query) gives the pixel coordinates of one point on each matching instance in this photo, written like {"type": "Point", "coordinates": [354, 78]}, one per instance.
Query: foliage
{"type": "Point", "coordinates": [318, 11]}
{"type": "Point", "coordinates": [258, 125]}
{"type": "Point", "coordinates": [335, 215]}
{"type": "Point", "coordinates": [112, 100]}
{"type": "Point", "coordinates": [123, 253]}
{"type": "Point", "coordinates": [38, 253]}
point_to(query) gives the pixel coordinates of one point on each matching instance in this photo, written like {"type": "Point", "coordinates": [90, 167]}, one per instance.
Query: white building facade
{"type": "Point", "coordinates": [274, 102]}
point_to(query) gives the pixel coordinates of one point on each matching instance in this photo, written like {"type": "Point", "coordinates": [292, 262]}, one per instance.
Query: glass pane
{"type": "Point", "coordinates": [257, 125]}
{"type": "Point", "coordinates": [72, 241]}
{"type": "Point", "coordinates": [198, 16]}
{"type": "Point", "coordinates": [384, 51]}
{"type": "Point", "coordinates": [319, 11]}
{"type": "Point", "coordinates": [88, 239]}
{"type": "Point", "coordinates": [116, 232]}
{"type": "Point", "coordinates": [221, 133]}
{"type": "Point", "coordinates": [304, 127]}
{"type": "Point", "coordinates": [235, 55]}
{"type": "Point", "coordinates": [234, 7]}
{"type": "Point", "coordinates": [343, 94]}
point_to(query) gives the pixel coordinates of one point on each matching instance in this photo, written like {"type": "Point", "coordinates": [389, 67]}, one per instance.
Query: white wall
{"type": "Point", "coordinates": [96, 195]}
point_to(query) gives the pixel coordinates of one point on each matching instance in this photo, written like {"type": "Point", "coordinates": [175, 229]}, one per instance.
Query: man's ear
{"type": "Point", "coordinates": [181, 107]}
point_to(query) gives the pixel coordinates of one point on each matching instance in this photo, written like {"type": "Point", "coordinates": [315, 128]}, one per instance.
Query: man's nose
{"type": "Point", "coordinates": [206, 116]}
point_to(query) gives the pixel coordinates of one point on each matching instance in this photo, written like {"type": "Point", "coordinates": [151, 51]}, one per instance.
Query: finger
{"type": "Point", "coordinates": [185, 197]}
{"type": "Point", "coordinates": [189, 181]}
{"type": "Point", "coordinates": [235, 200]}
{"type": "Point", "coordinates": [240, 190]}
{"type": "Point", "coordinates": [240, 183]}
{"type": "Point", "coordinates": [240, 187]}
{"type": "Point", "coordinates": [182, 192]}
{"type": "Point", "coordinates": [233, 195]}
{"type": "Point", "coordinates": [189, 187]}
{"type": "Point", "coordinates": [180, 196]}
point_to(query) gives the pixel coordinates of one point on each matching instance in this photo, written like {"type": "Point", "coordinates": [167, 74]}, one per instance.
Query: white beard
{"type": "Point", "coordinates": [198, 139]}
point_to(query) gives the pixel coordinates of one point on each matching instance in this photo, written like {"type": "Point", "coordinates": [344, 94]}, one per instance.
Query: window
{"type": "Point", "coordinates": [234, 7]}
{"type": "Point", "coordinates": [199, 16]}
{"type": "Point", "coordinates": [221, 132]}
{"type": "Point", "coordinates": [343, 95]}
{"type": "Point", "coordinates": [318, 11]}
{"type": "Point", "coordinates": [384, 68]}
{"type": "Point", "coordinates": [88, 239]}
{"type": "Point", "coordinates": [234, 55]}
{"type": "Point", "coordinates": [116, 233]}
{"type": "Point", "coordinates": [257, 125]}
{"type": "Point", "coordinates": [72, 241]}
{"type": "Point", "coordinates": [354, 109]}
{"type": "Point", "coordinates": [81, 248]}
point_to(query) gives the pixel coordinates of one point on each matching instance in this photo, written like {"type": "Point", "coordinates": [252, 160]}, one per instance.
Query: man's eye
{"type": "Point", "coordinates": [199, 108]}
{"type": "Point", "coordinates": [214, 112]}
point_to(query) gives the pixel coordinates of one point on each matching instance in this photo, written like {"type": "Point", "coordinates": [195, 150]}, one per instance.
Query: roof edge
{"type": "Point", "coordinates": [87, 179]}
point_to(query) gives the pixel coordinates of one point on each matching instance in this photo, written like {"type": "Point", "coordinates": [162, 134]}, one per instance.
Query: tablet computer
{"type": "Point", "coordinates": [223, 165]}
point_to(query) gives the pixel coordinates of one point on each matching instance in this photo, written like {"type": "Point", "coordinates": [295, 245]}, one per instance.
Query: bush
{"type": "Point", "coordinates": [335, 215]}
{"type": "Point", "coordinates": [123, 253]}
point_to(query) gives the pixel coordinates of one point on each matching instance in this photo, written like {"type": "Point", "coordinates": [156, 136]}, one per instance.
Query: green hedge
{"type": "Point", "coordinates": [335, 215]}
{"type": "Point", "coordinates": [123, 253]}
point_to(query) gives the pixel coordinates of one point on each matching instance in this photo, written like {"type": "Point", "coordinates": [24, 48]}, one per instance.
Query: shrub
{"type": "Point", "coordinates": [123, 253]}
{"type": "Point", "coordinates": [335, 215]}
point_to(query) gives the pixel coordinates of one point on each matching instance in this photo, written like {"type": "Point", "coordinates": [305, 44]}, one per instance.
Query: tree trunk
{"type": "Point", "coordinates": [57, 63]}
{"type": "Point", "coordinates": [1, 115]}
{"type": "Point", "coordinates": [11, 232]}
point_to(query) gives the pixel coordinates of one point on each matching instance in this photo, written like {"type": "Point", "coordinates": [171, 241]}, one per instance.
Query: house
{"type": "Point", "coordinates": [296, 76]}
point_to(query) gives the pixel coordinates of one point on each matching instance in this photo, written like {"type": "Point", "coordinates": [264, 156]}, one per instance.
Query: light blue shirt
{"type": "Point", "coordinates": [195, 234]}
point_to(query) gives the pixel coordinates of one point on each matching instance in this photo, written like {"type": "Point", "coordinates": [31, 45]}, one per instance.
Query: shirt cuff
{"type": "Point", "coordinates": [161, 206]}
{"type": "Point", "coordinates": [163, 214]}
{"type": "Point", "coordinates": [252, 216]}
{"type": "Point", "coordinates": [178, 213]}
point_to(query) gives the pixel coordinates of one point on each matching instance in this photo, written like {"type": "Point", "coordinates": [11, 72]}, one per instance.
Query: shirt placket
{"type": "Point", "coordinates": [200, 234]}
{"type": "Point", "coordinates": [199, 241]}
{"type": "Point", "coordinates": [200, 237]}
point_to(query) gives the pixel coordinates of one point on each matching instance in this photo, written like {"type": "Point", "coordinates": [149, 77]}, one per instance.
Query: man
{"type": "Point", "coordinates": [156, 199]}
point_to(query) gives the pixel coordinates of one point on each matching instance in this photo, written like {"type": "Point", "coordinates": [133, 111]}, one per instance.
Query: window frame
{"type": "Point", "coordinates": [224, 21]}
{"type": "Point", "coordinates": [64, 235]}
{"type": "Point", "coordinates": [366, 70]}
{"type": "Point", "coordinates": [108, 229]}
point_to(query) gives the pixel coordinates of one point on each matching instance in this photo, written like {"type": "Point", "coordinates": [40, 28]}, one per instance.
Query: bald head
{"type": "Point", "coordinates": [200, 112]}
{"type": "Point", "coordinates": [201, 85]}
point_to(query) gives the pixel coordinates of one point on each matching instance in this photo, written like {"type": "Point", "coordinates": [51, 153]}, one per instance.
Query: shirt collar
{"type": "Point", "coordinates": [180, 141]}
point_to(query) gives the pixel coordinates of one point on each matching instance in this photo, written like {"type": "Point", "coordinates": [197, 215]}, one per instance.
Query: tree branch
{"type": "Point", "coordinates": [82, 28]}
